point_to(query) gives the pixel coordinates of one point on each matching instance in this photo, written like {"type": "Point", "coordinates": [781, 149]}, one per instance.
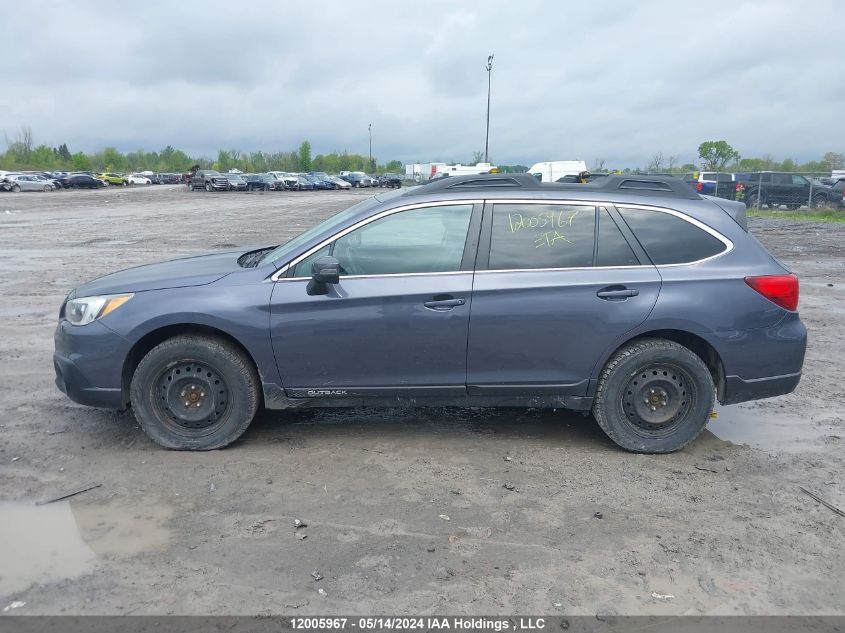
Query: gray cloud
{"type": "Point", "coordinates": [616, 80]}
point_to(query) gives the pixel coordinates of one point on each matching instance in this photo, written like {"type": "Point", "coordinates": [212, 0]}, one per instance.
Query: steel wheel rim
{"type": "Point", "coordinates": [191, 398]}
{"type": "Point", "coordinates": [657, 398]}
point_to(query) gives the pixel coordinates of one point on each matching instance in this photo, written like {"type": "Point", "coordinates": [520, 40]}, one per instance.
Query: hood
{"type": "Point", "coordinates": [176, 273]}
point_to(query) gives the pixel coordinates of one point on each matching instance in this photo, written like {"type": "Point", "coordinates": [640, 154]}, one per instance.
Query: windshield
{"type": "Point", "coordinates": [290, 247]}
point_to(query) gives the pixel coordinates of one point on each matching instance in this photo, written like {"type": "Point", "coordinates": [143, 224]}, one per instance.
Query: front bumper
{"type": "Point", "coordinates": [88, 362]}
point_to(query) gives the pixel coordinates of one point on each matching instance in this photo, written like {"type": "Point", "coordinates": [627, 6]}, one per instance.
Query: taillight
{"type": "Point", "coordinates": [698, 186]}
{"type": "Point", "coordinates": [779, 289]}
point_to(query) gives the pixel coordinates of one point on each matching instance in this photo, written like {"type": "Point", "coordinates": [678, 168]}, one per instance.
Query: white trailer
{"type": "Point", "coordinates": [421, 172]}
{"type": "Point", "coordinates": [552, 170]}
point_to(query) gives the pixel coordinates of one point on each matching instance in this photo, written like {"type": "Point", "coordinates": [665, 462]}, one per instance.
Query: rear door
{"type": "Point", "coordinates": [549, 298]}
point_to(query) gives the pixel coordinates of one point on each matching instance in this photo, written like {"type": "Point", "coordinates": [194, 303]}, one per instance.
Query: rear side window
{"type": "Point", "coordinates": [668, 239]}
{"type": "Point", "coordinates": [613, 248]}
{"type": "Point", "coordinates": [528, 236]}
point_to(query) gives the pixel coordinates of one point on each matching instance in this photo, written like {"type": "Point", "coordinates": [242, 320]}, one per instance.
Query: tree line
{"type": "Point", "coordinates": [22, 154]}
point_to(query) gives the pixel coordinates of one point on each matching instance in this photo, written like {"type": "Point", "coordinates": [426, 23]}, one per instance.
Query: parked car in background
{"type": "Point", "coordinates": [27, 182]}
{"type": "Point", "coordinates": [291, 180]}
{"type": "Point", "coordinates": [110, 178]}
{"type": "Point", "coordinates": [208, 179]}
{"type": "Point", "coordinates": [137, 179]}
{"type": "Point", "coordinates": [340, 182]}
{"type": "Point", "coordinates": [168, 179]}
{"type": "Point", "coordinates": [81, 181]}
{"type": "Point", "coordinates": [356, 179]}
{"type": "Point", "coordinates": [837, 194]}
{"type": "Point", "coordinates": [276, 183]}
{"type": "Point", "coordinates": [303, 184]}
{"type": "Point", "coordinates": [236, 182]}
{"type": "Point", "coordinates": [255, 182]}
{"type": "Point", "coordinates": [390, 180]}
{"type": "Point", "coordinates": [318, 183]}
{"type": "Point", "coordinates": [713, 183]}
{"type": "Point", "coordinates": [773, 188]}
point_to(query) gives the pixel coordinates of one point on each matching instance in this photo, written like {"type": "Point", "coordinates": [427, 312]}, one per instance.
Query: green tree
{"type": "Point", "coordinates": [81, 162]}
{"type": "Point", "coordinates": [305, 156]}
{"type": "Point", "coordinates": [716, 154]}
{"type": "Point", "coordinates": [834, 160]}
{"type": "Point", "coordinates": [394, 166]}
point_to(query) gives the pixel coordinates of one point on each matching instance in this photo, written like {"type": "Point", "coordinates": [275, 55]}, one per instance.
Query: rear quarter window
{"type": "Point", "coordinates": [668, 239]}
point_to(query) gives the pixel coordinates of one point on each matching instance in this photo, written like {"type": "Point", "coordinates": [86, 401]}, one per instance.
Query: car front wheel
{"type": "Point", "coordinates": [654, 396]}
{"type": "Point", "coordinates": [194, 393]}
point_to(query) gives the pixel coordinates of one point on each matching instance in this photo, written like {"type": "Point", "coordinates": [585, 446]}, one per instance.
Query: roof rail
{"type": "Point", "coordinates": [668, 186]}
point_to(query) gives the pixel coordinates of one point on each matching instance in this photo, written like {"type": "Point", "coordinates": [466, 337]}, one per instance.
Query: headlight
{"type": "Point", "coordinates": [86, 309]}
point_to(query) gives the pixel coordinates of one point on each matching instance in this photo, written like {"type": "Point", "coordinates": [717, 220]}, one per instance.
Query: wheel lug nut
{"type": "Point", "coordinates": [183, 393]}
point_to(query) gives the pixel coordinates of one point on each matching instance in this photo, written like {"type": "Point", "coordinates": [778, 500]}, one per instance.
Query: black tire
{"type": "Point", "coordinates": [754, 200]}
{"type": "Point", "coordinates": [208, 187]}
{"type": "Point", "coordinates": [189, 366]}
{"type": "Point", "coordinates": [16, 188]}
{"type": "Point", "coordinates": [639, 382]}
{"type": "Point", "coordinates": [819, 201]}
{"type": "Point", "coordinates": [190, 186]}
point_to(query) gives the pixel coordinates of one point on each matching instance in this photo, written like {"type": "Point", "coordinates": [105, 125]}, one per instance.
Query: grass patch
{"type": "Point", "coordinates": [824, 215]}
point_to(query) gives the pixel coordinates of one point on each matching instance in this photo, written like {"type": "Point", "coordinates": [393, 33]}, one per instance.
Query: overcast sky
{"type": "Point", "coordinates": [587, 80]}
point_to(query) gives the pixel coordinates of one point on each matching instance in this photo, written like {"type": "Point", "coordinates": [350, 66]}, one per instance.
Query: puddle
{"type": "Point", "coordinates": [123, 528]}
{"type": "Point", "coordinates": [771, 431]}
{"type": "Point", "coordinates": [43, 544]}
{"type": "Point", "coordinates": [40, 544]}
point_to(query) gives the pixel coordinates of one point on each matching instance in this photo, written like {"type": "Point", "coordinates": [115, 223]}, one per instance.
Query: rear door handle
{"type": "Point", "coordinates": [447, 302]}
{"type": "Point", "coordinates": [617, 293]}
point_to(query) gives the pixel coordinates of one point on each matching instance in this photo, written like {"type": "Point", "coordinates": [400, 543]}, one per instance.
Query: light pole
{"type": "Point", "coordinates": [370, 130]}
{"type": "Point", "coordinates": [489, 68]}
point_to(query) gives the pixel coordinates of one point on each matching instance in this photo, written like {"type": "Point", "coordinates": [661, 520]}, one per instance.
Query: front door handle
{"type": "Point", "coordinates": [616, 293]}
{"type": "Point", "coordinates": [444, 302]}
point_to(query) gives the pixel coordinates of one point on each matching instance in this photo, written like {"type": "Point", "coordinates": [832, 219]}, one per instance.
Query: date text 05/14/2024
{"type": "Point", "coordinates": [428, 623]}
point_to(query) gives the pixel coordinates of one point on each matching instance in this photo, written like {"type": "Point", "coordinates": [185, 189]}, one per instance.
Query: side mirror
{"type": "Point", "coordinates": [324, 271]}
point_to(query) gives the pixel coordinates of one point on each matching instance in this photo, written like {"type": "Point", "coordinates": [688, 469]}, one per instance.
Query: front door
{"type": "Point", "coordinates": [397, 322]}
{"type": "Point", "coordinates": [553, 298]}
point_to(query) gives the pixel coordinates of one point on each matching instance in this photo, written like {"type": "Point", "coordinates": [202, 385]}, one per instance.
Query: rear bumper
{"type": "Point", "coordinates": [761, 363]}
{"type": "Point", "coordinates": [739, 390]}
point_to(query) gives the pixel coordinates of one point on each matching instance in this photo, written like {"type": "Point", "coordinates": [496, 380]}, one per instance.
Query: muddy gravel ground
{"type": "Point", "coordinates": [406, 511]}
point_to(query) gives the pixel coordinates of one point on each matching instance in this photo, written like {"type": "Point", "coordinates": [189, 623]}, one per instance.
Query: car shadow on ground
{"type": "Point", "coordinates": [439, 424]}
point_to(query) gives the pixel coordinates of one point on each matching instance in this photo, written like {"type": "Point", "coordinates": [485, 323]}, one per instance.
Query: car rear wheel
{"type": "Point", "coordinates": [754, 201]}
{"type": "Point", "coordinates": [819, 201]}
{"type": "Point", "coordinates": [654, 396]}
{"type": "Point", "coordinates": [194, 393]}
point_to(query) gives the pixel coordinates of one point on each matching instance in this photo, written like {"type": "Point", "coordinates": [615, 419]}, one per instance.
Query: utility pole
{"type": "Point", "coordinates": [489, 68]}
{"type": "Point", "coordinates": [370, 130]}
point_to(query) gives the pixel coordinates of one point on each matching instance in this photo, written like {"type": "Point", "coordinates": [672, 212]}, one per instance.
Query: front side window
{"type": "Point", "coordinates": [531, 236]}
{"type": "Point", "coordinates": [425, 240]}
{"type": "Point", "coordinates": [799, 180]}
{"type": "Point", "coordinates": [668, 239]}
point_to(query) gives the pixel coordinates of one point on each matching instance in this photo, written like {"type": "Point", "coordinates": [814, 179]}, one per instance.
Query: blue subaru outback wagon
{"type": "Point", "coordinates": [631, 296]}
